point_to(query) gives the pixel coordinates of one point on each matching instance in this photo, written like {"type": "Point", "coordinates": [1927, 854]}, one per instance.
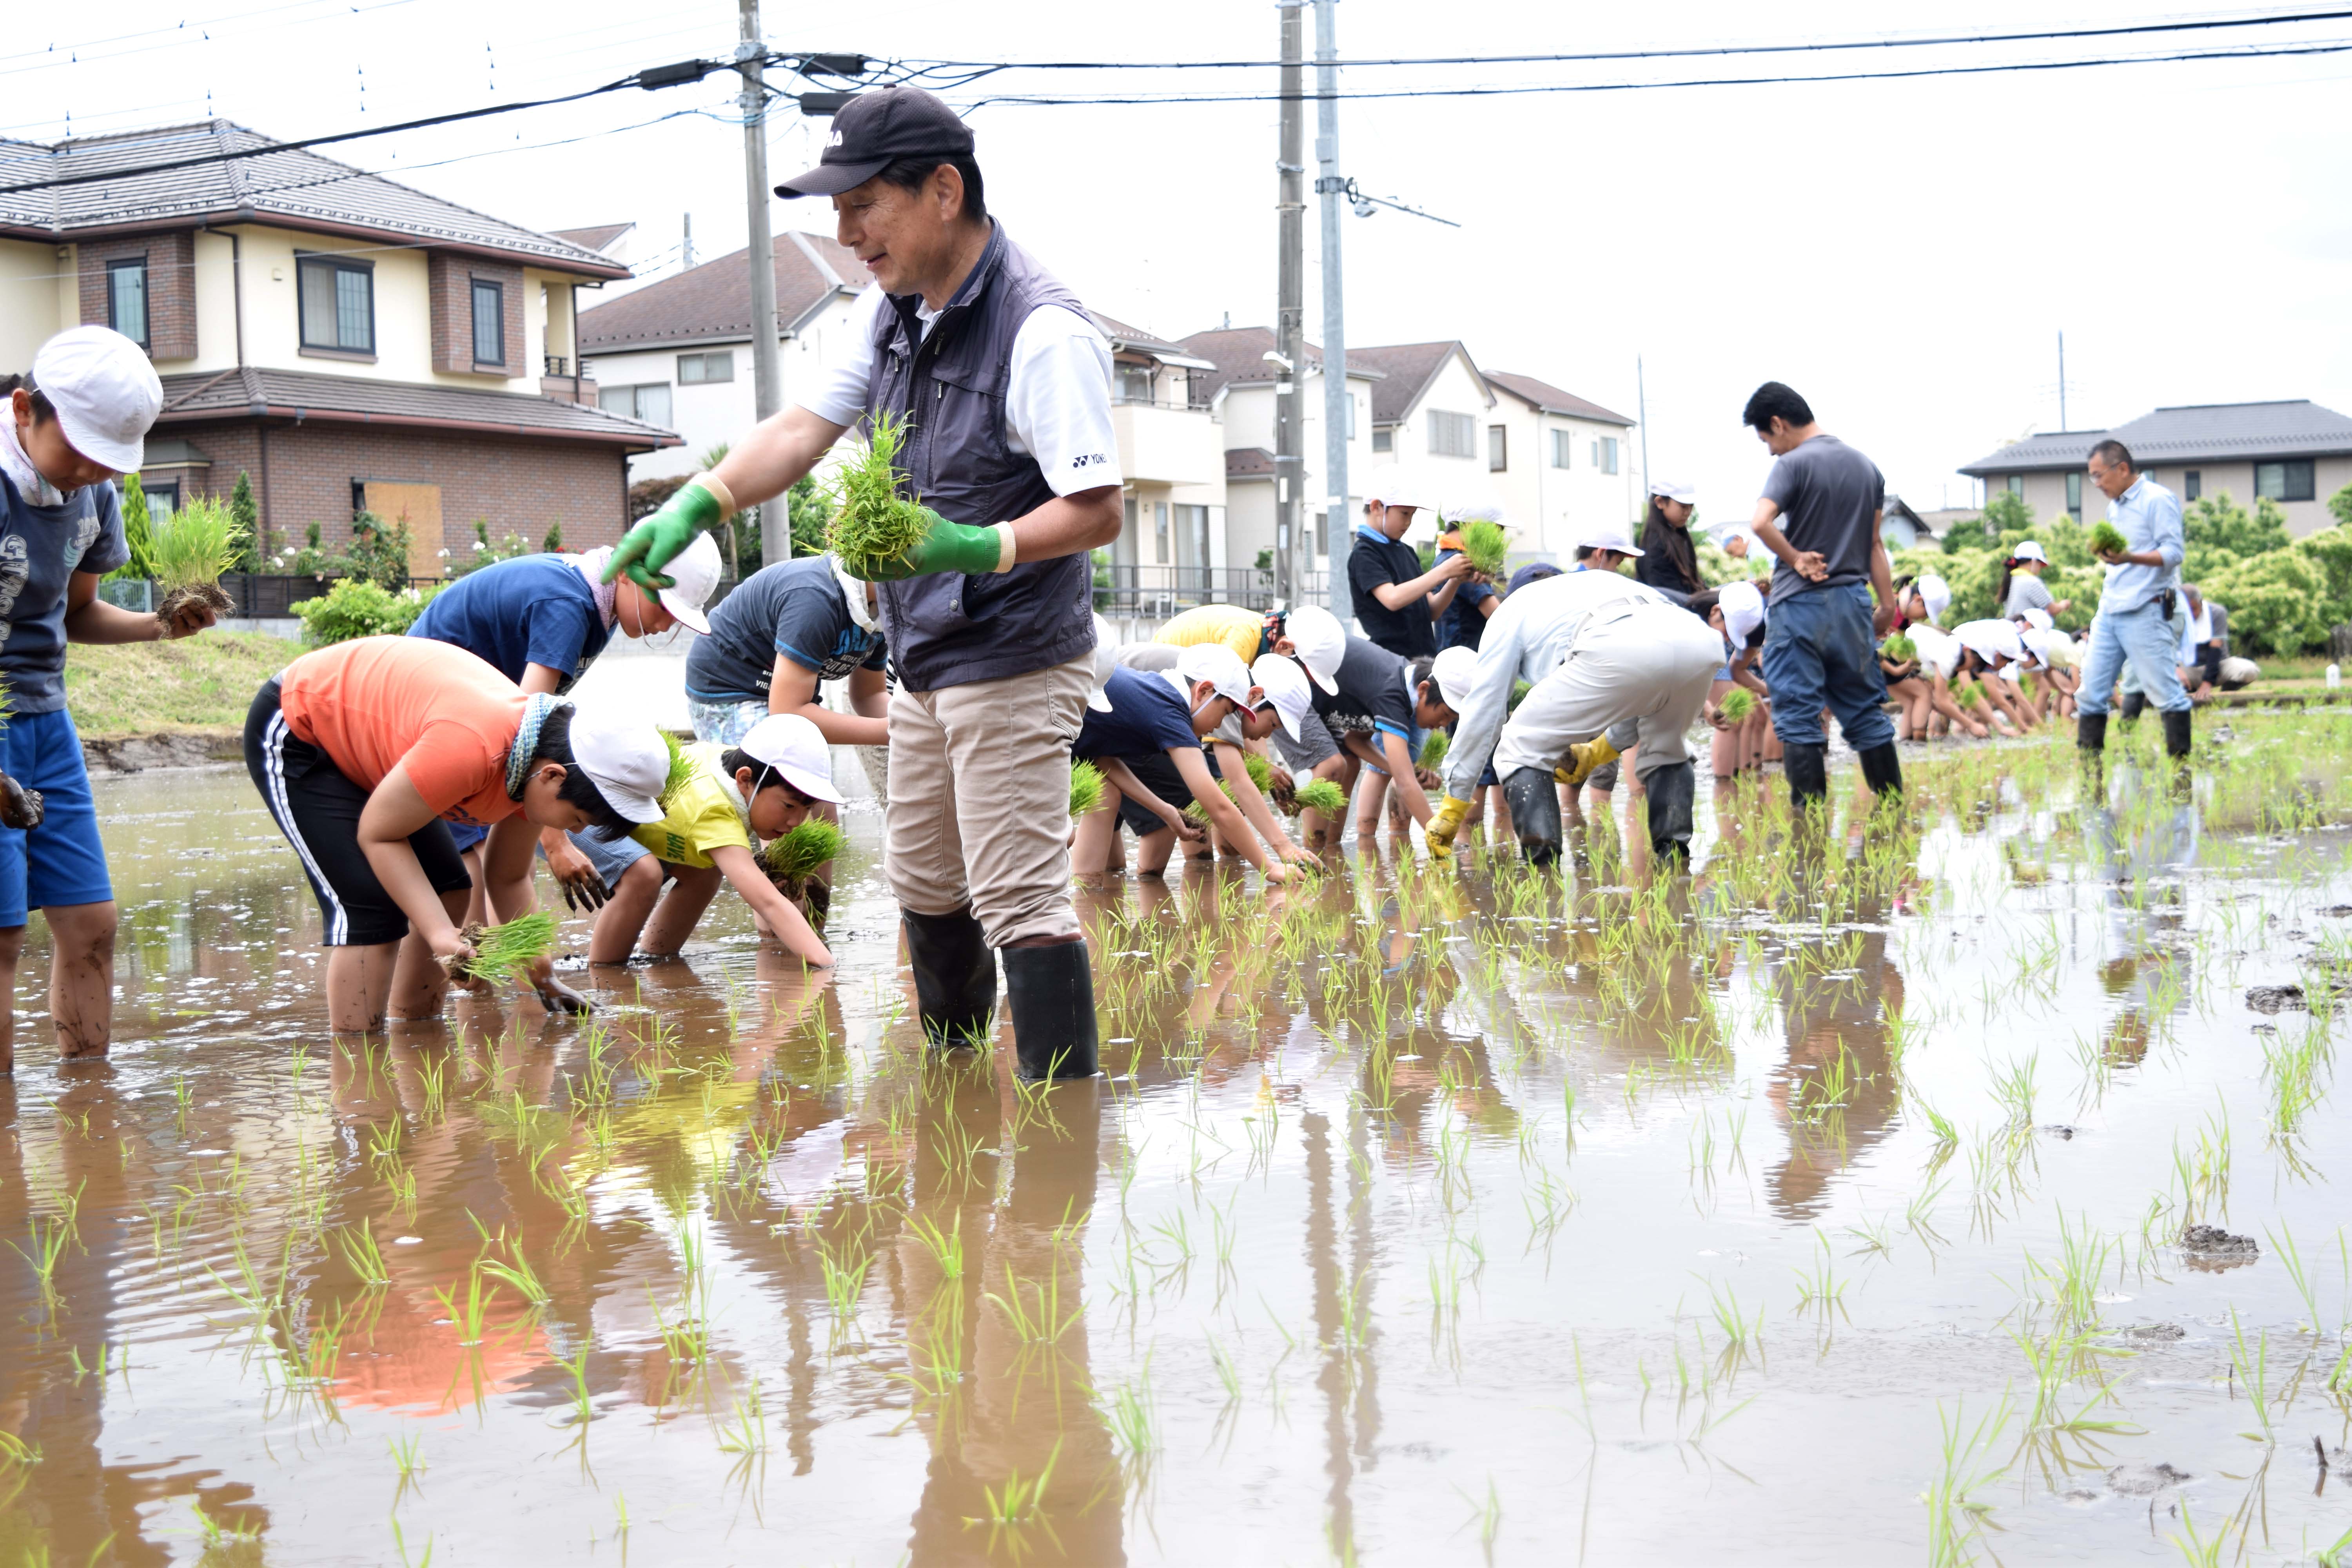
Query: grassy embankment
{"type": "Point", "coordinates": [200, 684]}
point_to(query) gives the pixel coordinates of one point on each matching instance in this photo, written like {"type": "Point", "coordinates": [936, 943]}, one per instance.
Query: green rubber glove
{"type": "Point", "coordinates": [948, 547]}
{"type": "Point", "coordinates": [648, 547]}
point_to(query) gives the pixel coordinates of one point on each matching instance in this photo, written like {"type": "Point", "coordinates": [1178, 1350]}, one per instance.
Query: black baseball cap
{"type": "Point", "coordinates": [874, 130]}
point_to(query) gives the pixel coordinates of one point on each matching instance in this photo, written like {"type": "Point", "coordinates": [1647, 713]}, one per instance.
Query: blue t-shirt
{"type": "Point", "coordinates": [41, 547]}
{"type": "Point", "coordinates": [796, 608]}
{"type": "Point", "coordinates": [1463, 623]}
{"type": "Point", "coordinates": [1146, 716]}
{"type": "Point", "coordinates": [533, 609]}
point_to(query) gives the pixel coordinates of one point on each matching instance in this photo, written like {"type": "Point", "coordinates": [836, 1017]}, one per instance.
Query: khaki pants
{"type": "Point", "coordinates": [979, 799]}
{"type": "Point", "coordinates": [1652, 666]}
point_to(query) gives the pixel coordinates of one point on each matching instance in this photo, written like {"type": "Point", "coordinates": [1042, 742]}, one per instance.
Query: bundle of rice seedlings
{"type": "Point", "coordinates": [874, 529]}
{"type": "Point", "coordinates": [1899, 649]}
{"type": "Point", "coordinates": [19, 807]}
{"type": "Point", "coordinates": [1086, 789]}
{"type": "Point", "coordinates": [1486, 546]}
{"type": "Point", "coordinates": [794, 857]}
{"type": "Point", "coordinates": [502, 952]}
{"type": "Point", "coordinates": [1323, 795]}
{"type": "Point", "coordinates": [681, 768]}
{"type": "Point", "coordinates": [1967, 694]}
{"type": "Point", "coordinates": [190, 549]}
{"type": "Point", "coordinates": [1260, 771]}
{"type": "Point", "coordinates": [1737, 703]}
{"type": "Point", "coordinates": [1519, 690]}
{"type": "Point", "coordinates": [1432, 751]}
{"type": "Point", "coordinates": [2106, 539]}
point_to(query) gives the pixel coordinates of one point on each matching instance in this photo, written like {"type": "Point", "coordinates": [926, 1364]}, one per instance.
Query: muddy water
{"type": "Point", "coordinates": [1458, 1217]}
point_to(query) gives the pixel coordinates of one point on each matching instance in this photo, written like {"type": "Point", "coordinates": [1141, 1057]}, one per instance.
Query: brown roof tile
{"type": "Point", "coordinates": [255, 392]}
{"type": "Point", "coordinates": [713, 302]}
{"type": "Point", "coordinates": [1544, 395]}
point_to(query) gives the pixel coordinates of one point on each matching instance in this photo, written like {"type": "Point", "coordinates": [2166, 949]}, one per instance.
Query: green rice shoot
{"type": "Point", "coordinates": [1434, 750]}
{"type": "Point", "coordinates": [1967, 694]}
{"type": "Point", "coordinates": [194, 543]}
{"type": "Point", "coordinates": [794, 857]}
{"type": "Point", "coordinates": [681, 769]}
{"type": "Point", "coordinates": [1323, 795]}
{"type": "Point", "coordinates": [874, 529]}
{"type": "Point", "coordinates": [2106, 539]}
{"type": "Point", "coordinates": [1900, 649]}
{"type": "Point", "coordinates": [1260, 771]}
{"type": "Point", "coordinates": [1086, 789]}
{"type": "Point", "coordinates": [502, 952]}
{"type": "Point", "coordinates": [1738, 704]}
{"type": "Point", "coordinates": [1519, 690]}
{"type": "Point", "coordinates": [1485, 544]}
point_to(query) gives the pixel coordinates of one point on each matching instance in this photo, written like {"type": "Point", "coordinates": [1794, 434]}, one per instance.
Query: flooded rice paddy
{"type": "Point", "coordinates": [1827, 1206]}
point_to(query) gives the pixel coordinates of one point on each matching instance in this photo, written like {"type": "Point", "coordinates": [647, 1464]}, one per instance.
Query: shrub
{"type": "Point", "coordinates": [246, 514]}
{"type": "Point", "coordinates": [355, 607]}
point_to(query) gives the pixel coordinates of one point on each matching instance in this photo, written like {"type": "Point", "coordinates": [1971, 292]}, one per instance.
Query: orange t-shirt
{"type": "Point", "coordinates": [374, 703]}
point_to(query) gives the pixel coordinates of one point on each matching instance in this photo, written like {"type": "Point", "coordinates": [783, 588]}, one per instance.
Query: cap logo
{"type": "Point", "coordinates": [835, 140]}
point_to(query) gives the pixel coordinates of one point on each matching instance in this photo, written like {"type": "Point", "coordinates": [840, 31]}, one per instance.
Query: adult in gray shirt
{"type": "Point", "coordinates": [1819, 515]}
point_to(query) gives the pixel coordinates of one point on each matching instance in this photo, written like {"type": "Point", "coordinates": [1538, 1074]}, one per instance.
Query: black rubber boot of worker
{"type": "Point", "coordinates": [1534, 796]}
{"type": "Point", "coordinates": [1808, 768]}
{"type": "Point", "coordinates": [2135, 704]}
{"type": "Point", "coordinates": [1050, 992]}
{"type": "Point", "coordinates": [1883, 770]}
{"type": "Point", "coordinates": [955, 977]}
{"type": "Point", "coordinates": [1672, 790]}
{"type": "Point", "coordinates": [2091, 731]}
{"type": "Point", "coordinates": [2177, 727]}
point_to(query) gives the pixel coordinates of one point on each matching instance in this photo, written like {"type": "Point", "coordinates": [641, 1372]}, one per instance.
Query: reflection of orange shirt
{"type": "Point", "coordinates": [374, 703]}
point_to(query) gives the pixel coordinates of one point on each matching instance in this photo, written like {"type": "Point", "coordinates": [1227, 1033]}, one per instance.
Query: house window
{"type": "Point", "coordinates": [2017, 484]}
{"type": "Point", "coordinates": [163, 497]}
{"type": "Point", "coordinates": [1193, 534]}
{"type": "Point", "coordinates": [1160, 531]}
{"type": "Point", "coordinates": [648, 401]}
{"type": "Point", "coordinates": [1134, 384]}
{"type": "Point", "coordinates": [694, 369]}
{"type": "Point", "coordinates": [1452, 435]}
{"type": "Point", "coordinates": [2193, 484]}
{"type": "Point", "coordinates": [1385, 439]}
{"type": "Point", "coordinates": [1498, 449]}
{"type": "Point", "coordinates": [337, 303]}
{"type": "Point", "coordinates": [126, 298]}
{"type": "Point", "coordinates": [2074, 496]}
{"type": "Point", "coordinates": [2290, 481]}
{"type": "Point", "coordinates": [1604, 453]}
{"type": "Point", "coordinates": [489, 322]}
{"type": "Point", "coordinates": [1563, 447]}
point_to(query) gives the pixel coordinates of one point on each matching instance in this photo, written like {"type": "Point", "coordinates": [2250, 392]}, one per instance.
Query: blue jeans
{"type": "Point", "coordinates": [1820, 651]}
{"type": "Point", "coordinates": [2148, 641]}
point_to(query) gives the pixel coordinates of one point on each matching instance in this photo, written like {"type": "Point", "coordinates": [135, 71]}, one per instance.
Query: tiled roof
{"type": "Point", "coordinates": [1239, 354]}
{"type": "Point", "coordinates": [1124, 337]}
{"type": "Point", "coordinates": [297, 189]}
{"type": "Point", "coordinates": [1408, 368]}
{"type": "Point", "coordinates": [1248, 463]}
{"type": "Point", "coordinates": [712, 303]}
{"type": "Point", "coordinates": [2208, 432]}
{"type": "Point", "coordinates": [595, 237]}
{"type": "Point", "coordinates": [1550, 399]}
{"type": "Point", "coordinates": [257, 393]}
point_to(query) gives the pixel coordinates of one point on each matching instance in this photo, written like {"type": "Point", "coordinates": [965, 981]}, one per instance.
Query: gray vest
{"type": "Point", "coordinates": [949, 629]}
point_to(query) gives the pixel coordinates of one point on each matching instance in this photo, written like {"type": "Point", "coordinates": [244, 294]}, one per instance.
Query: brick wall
{"type": "Point", "coordinates": [519, 484]}
{"type": "Point", "coordinates": [450, 279]}
{"type": "Point", "coordinates": [170, 287]}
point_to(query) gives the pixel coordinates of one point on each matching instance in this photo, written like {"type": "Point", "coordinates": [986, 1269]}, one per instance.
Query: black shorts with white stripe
{"type": "Point", "coordinates": [318, 809]}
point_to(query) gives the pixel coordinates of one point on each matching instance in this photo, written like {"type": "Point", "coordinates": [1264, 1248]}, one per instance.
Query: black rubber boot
{"type": "Point", "coordinates": [2177, 727]}
{"type": "Point", "coordinates": [2135, 704]}
{"type": "Point", "coordinates": [2091, 731]}
{"type": "Point", "coordinates": [1534, 796]}
{"type": "Point", "coordinates": [1808, 768]}
{"type": "Point", "coordinates": [1671, 790]}
{"type": "Point", "coordinates": [1051, 993]}
{"type": "Point", "coordinates": [1883, 770]}
{"type": "Point", "coordinates": [955, 977]}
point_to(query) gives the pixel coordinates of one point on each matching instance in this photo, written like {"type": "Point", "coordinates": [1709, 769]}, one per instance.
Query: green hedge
{"type": "Point", "coordinates": [355, 607]}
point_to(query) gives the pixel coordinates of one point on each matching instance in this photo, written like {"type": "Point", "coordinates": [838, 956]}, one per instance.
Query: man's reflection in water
{"type": "Point", "coordinates": [1835, 1024]}
{"type": "Point", "coordinates": [2141, 840]}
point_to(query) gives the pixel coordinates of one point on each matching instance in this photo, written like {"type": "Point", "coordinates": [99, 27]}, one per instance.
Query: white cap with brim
{"type": "Point", "coordinates": [1937, 594]}
{"type": "Point", "coordinates": [1390, 486]}
{"type": "Point", "coordinates": [1613, 536]}
{"type": "Point", "coordinates": [694, 578]}
{"type": "Point", "coordinates": [624, 758]}
{"type": "Point", "coordinates": [796, 748]}
{"type": "Point", "coordinates": [1221, 667]}
{"type": "Point", "coordinates": [1105, 660]}
{"type": "Point", "coordinates": [2037, 619]}
{"type": "Point", "coordinates": [1742, 605]}
{"type": "Point", "coordinates": [1321, 642]}
{"type": "Point", "coordinates": [1456, 670]}
{"type": "Point", "coordinates": [1285, 690]}
{"type": "Point", "coordinates": [2028, 551]}
{"type": "Point", "coordinates": [106, 393]}
{"type": "Point", "coordinates": [1671, 490]}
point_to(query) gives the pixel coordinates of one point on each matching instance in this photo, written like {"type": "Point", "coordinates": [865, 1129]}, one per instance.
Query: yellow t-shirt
{"type": "Point", "coordinates": [1237, 627]}
{"type": "Point", "coordinates": [706, 814]}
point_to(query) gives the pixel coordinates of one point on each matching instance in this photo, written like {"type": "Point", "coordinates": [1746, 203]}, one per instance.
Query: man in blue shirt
{"type": "Point", "coordinates": [2135, 621]}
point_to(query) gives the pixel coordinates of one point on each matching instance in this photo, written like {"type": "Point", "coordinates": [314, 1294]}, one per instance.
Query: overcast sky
{"type": "Point", "coordinates": [1905, 253]}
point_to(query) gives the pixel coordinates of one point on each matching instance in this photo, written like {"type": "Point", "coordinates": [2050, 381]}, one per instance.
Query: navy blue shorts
{"type": "Point", "coordinates": [61, 862]}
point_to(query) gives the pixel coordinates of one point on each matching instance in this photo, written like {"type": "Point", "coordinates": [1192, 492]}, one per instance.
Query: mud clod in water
{"type": "Point", "coordinates": [2277, 999]}
{"type": "Point", "coordinates": [2156, 1333]}
{"type": "Point", "coordinates": [2211, 1244]}
{"type": "Point", "coordinates": [2145, 1480]}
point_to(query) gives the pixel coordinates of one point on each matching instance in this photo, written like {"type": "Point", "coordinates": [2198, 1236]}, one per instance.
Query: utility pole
{"type": "Point", "coordinates": [2061, 380]}
{"type": "Point", "coordinates": [1338, 400]}
{"type": "Point", "coordinates": [767, 365]}
{"type": "Point", "coordinates": [1641, 411]}
{"type": "Point", "coordinates": [1292, 558]}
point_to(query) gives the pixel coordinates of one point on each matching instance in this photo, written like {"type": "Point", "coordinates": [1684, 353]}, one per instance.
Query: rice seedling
{"type": "Point", "coordinates": [2106, 539]}
{"type": "Point", "coordinates": [191, 547]}
{"type": "Point", "coordinates": [15, 1451]}
{"type": "Point", "coordinates": [470, 1313]}
{"type": "Point", "coordinates": [1133, 1421]}
{"type": "Point", "coordinates": [794, 857]}
{"type": "Point", "coordinates": [362, 1254]}
{"type": "Point", "coordinates": [1086, 789]}
{"type": "Point", "coordinates": [516, 1270]}
{"type": "Point", "coordinates": [1899, 649]}
{"type": "Point", "coordinates": [745, 1431]}
{"type": "Point", "coordinates": [407, 1456]}
{"type": "Point", "coordinates": [1486, 1514]}
{"type": "Point", "coordinates": [1956, 1521]}
{"type": "Point", "coordinates": [1486, 545]}
{"type": "Point", "coordinates": [219, 1534]}
{"type": "Point", "coordinates": [874, 529]}
{"type": "Point", "coordinates": [1737, 705]}
{"type": "Point", "coordinates": [1433, 751]}
{"type": "Point", "coordinates": [2196, 1550]}
{"type": "Point", "coordinates": [502, 952]}
{"type": "Point", "coordinates": [1323, 797]}
{"type": "Point", "coordinates": [1018, 1502]}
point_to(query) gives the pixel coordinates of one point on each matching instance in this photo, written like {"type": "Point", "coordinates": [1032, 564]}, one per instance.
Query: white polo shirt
{"type": "Point", "coordinates": [1057, 407]}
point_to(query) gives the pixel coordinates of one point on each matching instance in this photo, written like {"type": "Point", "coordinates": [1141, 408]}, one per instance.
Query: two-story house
{"type": "Point", "coordinates": [350, 343]}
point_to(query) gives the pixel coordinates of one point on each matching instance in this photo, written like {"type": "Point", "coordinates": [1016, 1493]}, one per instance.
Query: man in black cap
{"type": "Point", "coordinates": [1005, 387]}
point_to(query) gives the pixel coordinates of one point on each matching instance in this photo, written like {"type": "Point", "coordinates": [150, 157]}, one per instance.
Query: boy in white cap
{"type": "Point", "coordinates": [1601, 649]}
{"type": "Point", "coordinates": [1374, 701]}
{"type": "Point", "coordinates": [711, 824]}
{"type": "Point", "coordinates": [1243, 733]}
{"type": "Point", "coordinates": [540, 621]}
{"type": "Point", "coordinates": [366, 752]}
{"type": "Point", "coordinates": [1397, 602]}
{"type": "Point", "coordinates": [72, 427]}
{"type": "Point", "coordinates": [1736, 611]}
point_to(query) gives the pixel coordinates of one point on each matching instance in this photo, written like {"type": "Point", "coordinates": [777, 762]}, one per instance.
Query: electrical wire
{"type": "Point", "coordinates": [43, 60]}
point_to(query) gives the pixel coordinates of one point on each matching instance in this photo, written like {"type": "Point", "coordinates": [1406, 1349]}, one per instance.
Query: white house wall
{"type": "Point", "coordinates": [29, 300]}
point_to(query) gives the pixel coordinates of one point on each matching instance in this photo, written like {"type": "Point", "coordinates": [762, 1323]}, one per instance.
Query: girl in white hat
{"type": "Point", "coordinates": [2021, 589]}
{"type": "Point", "coordinates": [72, 427]}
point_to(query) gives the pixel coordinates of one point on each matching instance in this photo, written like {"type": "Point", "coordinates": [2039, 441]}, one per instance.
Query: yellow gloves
{"type": "Point", "coordinates": [1443, 825]}
{"type": "Point", "coordinates": [1582, 759]}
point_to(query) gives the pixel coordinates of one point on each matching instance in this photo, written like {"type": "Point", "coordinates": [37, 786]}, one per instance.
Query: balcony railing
{"type": "Point", "coordinates": [556, 365]}
{"type": "Point", "coordinates": [1159, 592]}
